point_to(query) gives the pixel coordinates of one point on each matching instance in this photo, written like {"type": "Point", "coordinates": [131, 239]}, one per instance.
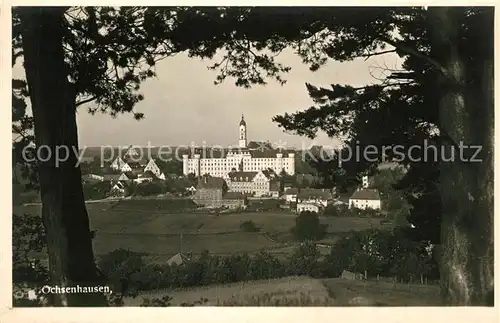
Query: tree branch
{"type": "Point", "coordinates": [378, 53]}
{"type": "Point", "coordinates": [412, 51]}
{"type": "Point", "coordinates": [86, 101]}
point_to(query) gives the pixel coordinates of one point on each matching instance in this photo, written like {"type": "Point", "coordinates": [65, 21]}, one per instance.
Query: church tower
{"type": "Point", "coordinates": [242, 143]}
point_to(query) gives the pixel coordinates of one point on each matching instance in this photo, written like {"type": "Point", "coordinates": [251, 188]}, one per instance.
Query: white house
{"type": "Point", "coordinates": [308, 195]}
{"type": "Point", "coordinates": [364, 199]}
{"type": "Point", "coordinates": [290, 195]}
{"type": "Point", "coordinates": [251, 157]}
{"type": "Point", "coordinates": [153, 167]}
{"type": "Point", "coordinates": [118, 189]}
{"type": "Point", "coordinates": [311, 207]}
{"type": "Point", "coordinates": [130, 166]}
{"type": "Point", "coordinates": [365, 182]}
{"type": "Point", "coordinates": [118, 163]}
{"type": "Point", "coordinates": [131, 152]}
{"type": "Point", "coordinates": [123, 177]}
{"type": "Point", "coordinates": [145, 177]}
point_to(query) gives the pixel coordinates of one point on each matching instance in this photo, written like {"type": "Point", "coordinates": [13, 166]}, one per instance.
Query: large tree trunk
{"type": "Point", "coordinates": [466, 117]}
{"type": "Point", "coordinates": [69, 243]}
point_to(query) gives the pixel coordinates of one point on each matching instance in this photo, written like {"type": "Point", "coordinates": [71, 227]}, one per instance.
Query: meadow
{"type": "Point", "coordinates": [300, 291]}
{"type": "Point", "coordinates": [154, 227]}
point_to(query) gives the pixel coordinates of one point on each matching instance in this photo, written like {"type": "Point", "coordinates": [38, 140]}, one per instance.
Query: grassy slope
{"type": "Point", "coordinates": [154, 226]}
{"type": "Point", "coordinates": [382, 293]}
{"type": "Point", "coordinates": [302, 291]}
{"type": "Point", "coordinates": [263, 292]}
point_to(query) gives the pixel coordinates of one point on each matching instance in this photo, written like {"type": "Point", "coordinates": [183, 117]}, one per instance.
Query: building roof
{"type": "Point", "coordinates": [274, 186]}
{"type": "Point", "coordinates": [365, 194]}
{"type": "Point", "coordinates": [149, 174]}
{"type": "Point", "coordinates": [242, 122]}
{"type": "Point", "coordinates": [259, 152]}
{"type": "Point", "coordinates": [269, 173]}
{"type": "Point", "coordinates": [310, 193]}
{"type": "Point", "coordinates": [307, 177]}
{"type": "Point", "coordinates": [119, 185]}
{"type": "Point", "coordinates": [263, 145]}
{"type": "Point", "coordinates": [130, 175]}
{"type": "Point", "coordinates": [211, 183]}
{"type": "Point", "coordinates": [242, 176]}
{"type": "Point", "coordinates": [131, 151]}
{"type": "Point", "coordinates": [134, 164]}
{"type": "Point", "coordinates": [177, 259]}
{"type": "Point", "coordinates": [269, 153]}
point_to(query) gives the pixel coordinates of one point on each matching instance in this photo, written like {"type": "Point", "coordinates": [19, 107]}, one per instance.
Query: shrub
{"type": "Point", "coordinates": [96, 191]}
{"type": "Point", "coordinates": [150, 188]}
{"type": "Point", "coordinates": [249, 226]}
{"type": "Point", "coordinates": [308, 227]}
{"type": "Point", "coordinates": [379, 252]}
{"type": "Point", "coordinates": [119, 266]}
{"type": "Point", "coordinates": [304, 260]}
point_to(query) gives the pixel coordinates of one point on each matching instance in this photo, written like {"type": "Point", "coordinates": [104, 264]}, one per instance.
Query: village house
{"type": "Point", "coordinates": [309, 207]}
{"type": "Point", "coordinates": [118, 163]}
{"type": "Point", "coordinates": [233, 200]}
{"type": "Point", "coordinates": [287, 186]}
{"type": "Point", "coordinates": [118, 189]}
{"type": "Point", "coordinates": [191, 189]}
{"type": "Point", "coordinates": [131, 152]}
{"type": "Point", "coordinates": [210, 191]}
{"type": "Point", "coordinates": [128, 176]}
{"type": "Point", "coordinates": [92, 178]}
{"type": "Point", "coordinates": [364, 199]}
{"type": "Point", "coordinates": [131, 166]}
{"type": "Point", "coordinates": [255, 183]}
{"type": "Point", "coordinates": [274, 189]}
{"type": "Point", "coordinates": [308, 195]}
{"type": "Point", "coordinates": [153, 167]}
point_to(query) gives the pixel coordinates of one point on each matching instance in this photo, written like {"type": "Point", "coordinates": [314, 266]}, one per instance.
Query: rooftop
{"type": "Point", "coordinates": [242, 176]}
{"type": "Point", "coordinates": [223, 153]}
{"type": "Point", "coordinates": [365, 194]}
{"type": "Point", "coordinates": [211, 183]}
{"type": "Point", "coordinates": [310, 193]}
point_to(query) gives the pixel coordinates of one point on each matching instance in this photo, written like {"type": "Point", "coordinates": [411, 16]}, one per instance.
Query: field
{"type": "Point", "coordinates": [153, 227]}
{"type": "Point", "coordinates": [302, 291]}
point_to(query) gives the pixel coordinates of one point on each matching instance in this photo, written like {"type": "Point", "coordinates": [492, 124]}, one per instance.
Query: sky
{"type": "Point", "coordinates": [182, 106]}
